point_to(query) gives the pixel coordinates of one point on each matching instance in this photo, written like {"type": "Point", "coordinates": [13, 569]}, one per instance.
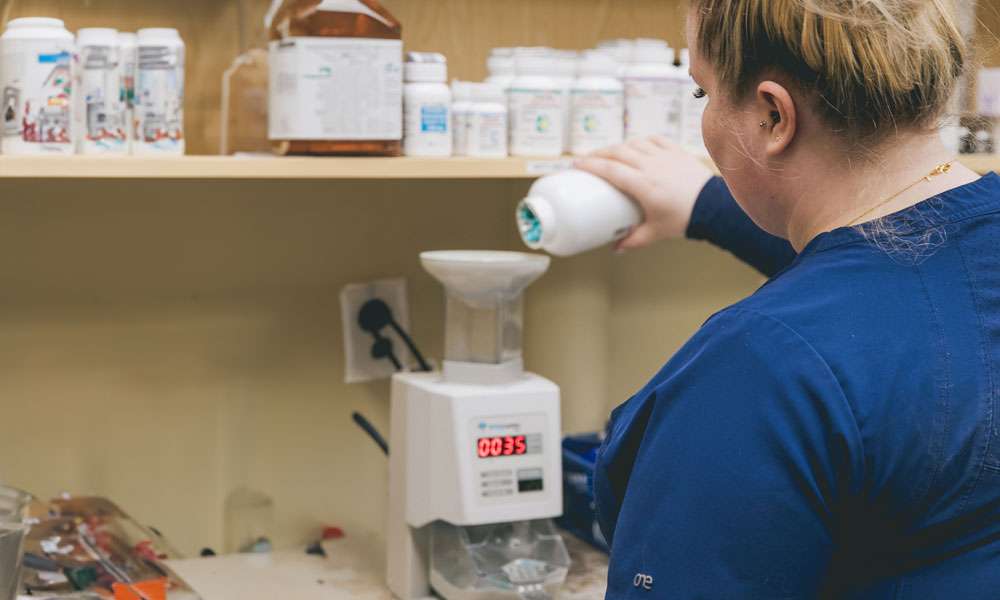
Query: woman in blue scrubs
{"type": "Point", "coordinates": [837, 433]}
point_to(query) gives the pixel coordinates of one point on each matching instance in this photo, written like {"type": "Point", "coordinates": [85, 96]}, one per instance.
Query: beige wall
{"type": "Point", "coordinates": [164, 342]}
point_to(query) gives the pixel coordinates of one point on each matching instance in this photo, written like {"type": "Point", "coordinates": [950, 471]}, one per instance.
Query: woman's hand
{"type": "Point", "coordinates": [663, 180]}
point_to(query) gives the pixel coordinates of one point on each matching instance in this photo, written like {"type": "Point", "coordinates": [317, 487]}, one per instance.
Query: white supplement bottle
{"type": "Point", "coordinates": [536, 108]}
{"type": "Point", "coordinates": [647, 83]}
{"type": "Point", "coordinates": [36, 72]}
{"type": "Point", "coordinates": [692, 108]}
{"type": "Point", "coordinates": [487, 122]}
{"type": "Point", "coordinates": [500, 66]}
{"type": "Point", "coordinates": [461, 107]}
{"type": "Point", "coordinates": [565, 74]}
{"type": "Point", "coordinates": [426, 105]}
{"type": "Point", "coordinates": [598, 105]}
{"type": "Point", "coordinates": [573, 211]}
{"type": "Point", "coordinates": [159, 93]}
{"type": "Point", "coordinates": [129, 51]}
{"type": "Point", "coordinates": [101, 111]}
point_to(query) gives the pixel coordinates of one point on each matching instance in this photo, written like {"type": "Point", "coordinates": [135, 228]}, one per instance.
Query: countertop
{"type": "Point", "coordinates": [352, 570]}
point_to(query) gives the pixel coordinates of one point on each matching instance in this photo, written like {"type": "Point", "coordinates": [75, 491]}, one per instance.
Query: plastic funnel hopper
{"type": "Point", "coordinates": [483, 318]}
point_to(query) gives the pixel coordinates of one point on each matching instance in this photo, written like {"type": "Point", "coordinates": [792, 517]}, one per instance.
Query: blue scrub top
{"type": "Point", "coordinates": [834, 435]}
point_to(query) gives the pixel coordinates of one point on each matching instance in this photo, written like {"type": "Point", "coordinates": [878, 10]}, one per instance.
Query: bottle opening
{"type": "Point", "coordinates": [529, 225]}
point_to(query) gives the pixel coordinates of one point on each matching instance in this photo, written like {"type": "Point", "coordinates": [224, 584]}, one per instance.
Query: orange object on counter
{"type": "Point", "coordinates": [336, 80]}
{"type": "Point", "coordinates": [154, 589]}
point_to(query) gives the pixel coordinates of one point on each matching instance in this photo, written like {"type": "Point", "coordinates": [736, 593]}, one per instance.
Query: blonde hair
{"type": "Point", "coordinates": [874, 66]}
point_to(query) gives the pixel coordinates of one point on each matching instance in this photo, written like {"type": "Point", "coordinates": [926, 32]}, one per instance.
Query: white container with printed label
{"type": "Point", "coordinates": [691, 110]}
{"type": "Point", "coordinates": [101, 111]}
{"type": "Point", "coordinates": [536, 109]}
{"type": "Point", "coordinates": [129, 53]}
{"type": "Point", "coordinates": [326, 88]}
{"type": "Point", "coordinates": [647, 91]}
{"type": "Point", "coordinates": [426, 106]}
{"type": "Point", "coordinates": [487, 122]}
{"type": "Point", "coordinates": [598, 105]}
{"type": "Point", "coordinates": [159, 93]}
{"type": "Point", "coordinates": [36, 70]}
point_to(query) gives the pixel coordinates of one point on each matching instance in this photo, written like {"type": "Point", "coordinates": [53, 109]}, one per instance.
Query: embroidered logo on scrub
{"type": "Point", "coordinates": [641, 580]}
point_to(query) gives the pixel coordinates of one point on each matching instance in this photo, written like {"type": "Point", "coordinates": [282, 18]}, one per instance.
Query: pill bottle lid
{"type": "Point", "coordinates": [652, 51]}
{"type": "Point", "coordinates": [500, 64]}
{"type": "Point", "coordinates": [37, 22]}
{"type": "Point", "coordinates": [597, 63]}
{"type": "Point", "coordinates": [97, 36]}
{"type": "Point", "coordinates": [685, 57]}
{"type": "Point", "coordinates": [533, 64]}
{"type": "Point", "coordinates": [127, 38]}
{"type": "Point", "coordinates": [507, 52]}
{"type": "Point", "coordinates": [157, 33]}
{"type": "Point", "coordinates": [425, 67]}
{"type": "Point", "coordinates": [461, 91]}
{"type": "Point", "coordinates": [487, 92]}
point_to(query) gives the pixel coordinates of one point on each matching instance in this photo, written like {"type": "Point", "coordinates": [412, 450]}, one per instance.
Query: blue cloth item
{"type": "Point", "coordinates": [834, 435]}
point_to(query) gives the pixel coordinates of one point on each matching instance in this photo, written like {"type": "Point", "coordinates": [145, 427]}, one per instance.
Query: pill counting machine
{"type": "Point", "coordinates": [475, 465]}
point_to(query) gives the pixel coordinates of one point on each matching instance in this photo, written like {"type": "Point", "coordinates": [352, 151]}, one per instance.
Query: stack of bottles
{"type": "Point", "coordinates": [542, 102]}
{"type": "Point", "coordinates": [102, 92]}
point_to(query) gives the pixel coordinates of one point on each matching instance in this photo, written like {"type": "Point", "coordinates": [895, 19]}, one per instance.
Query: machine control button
{"type": "Point", "coordinates": [530, 480]}
{"type": "Point", "coordinates": [497, 493]}
{"type": "Point", "coordinates": [496, 473]}
{"type": "Point", "coordinates": [494, 483]}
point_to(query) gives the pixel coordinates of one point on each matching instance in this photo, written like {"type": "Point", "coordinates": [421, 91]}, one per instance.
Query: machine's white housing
{"type": "Point", "coordinates": [435, 473]}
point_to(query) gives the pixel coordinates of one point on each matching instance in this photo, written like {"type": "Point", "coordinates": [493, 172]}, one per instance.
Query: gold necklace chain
{"type": "Point", "coordinates": [938, 170]}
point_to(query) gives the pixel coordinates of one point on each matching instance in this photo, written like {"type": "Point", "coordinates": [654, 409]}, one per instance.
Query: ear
{"type": "Point", "coordinates": [778, 113]}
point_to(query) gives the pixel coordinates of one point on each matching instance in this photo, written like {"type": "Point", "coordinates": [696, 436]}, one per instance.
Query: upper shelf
{"type": "Point", "coordinates": [272, 167]}
{"type": "Point", "coordinates": [304, 168]}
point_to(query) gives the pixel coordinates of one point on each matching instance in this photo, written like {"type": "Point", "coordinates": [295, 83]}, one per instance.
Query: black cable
{"type": "Point", "coordinates": [368, 428]}
{"type": "Point", "coordinates": [374, 316]}
{"type": "Point", "coordinates": [409, 344]}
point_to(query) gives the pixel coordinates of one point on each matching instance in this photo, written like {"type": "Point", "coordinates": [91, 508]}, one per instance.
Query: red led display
{"type": "Point", "coordinates": [504, 445]}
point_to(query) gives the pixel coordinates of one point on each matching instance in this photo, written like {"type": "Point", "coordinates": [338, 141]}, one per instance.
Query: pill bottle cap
{"type": "Point", "coordinates": [97, 36]}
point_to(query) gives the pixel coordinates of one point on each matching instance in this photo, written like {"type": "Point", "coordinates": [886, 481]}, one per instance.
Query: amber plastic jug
{"type": "Point", "coordinates": [336, 78]}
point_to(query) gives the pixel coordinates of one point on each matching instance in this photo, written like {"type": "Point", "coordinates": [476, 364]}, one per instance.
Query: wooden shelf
{"type": "Point", "coordinates": [273, 167]}
{"type": "Point", "coordinates": [304, 168]}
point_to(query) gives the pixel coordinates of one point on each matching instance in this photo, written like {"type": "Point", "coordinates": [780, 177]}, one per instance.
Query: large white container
{"type": "Point", "coordinates": [128, 44]}
{"type": "Point", "coordinates": [461, 109]}
{"type": "Point", "coordinates": [36, 71]}
{"type": "Point", "coordinates": [597, 106]}
{"type": "Point", "coordinates": [500, 66]}
{"type": "Point", "coordinates": [487, 122]}
{"type": "Point", "coordinates": [647, 90]}
{"type": "Point", "coordinates": [692, 109]}
{"type": "Point", "coordinates": [101, 111]}
{"type": "Point", "coordinates": [573, 211]}
{"type": "Point", "coordinates": [426, 106]}
{"type": "Point", "coordinates": [159, 93]}
{"type": "Point", "coordinates": [536, 108]}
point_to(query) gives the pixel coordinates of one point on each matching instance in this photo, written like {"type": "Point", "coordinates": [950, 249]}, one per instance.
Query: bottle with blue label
{"type": "Point", "coordinates": [427, 118]}
{"type": "Point", "coordinates": [36, 71]}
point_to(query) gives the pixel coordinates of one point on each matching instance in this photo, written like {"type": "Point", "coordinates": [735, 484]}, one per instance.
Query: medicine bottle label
{"type": "Point", "coordinates": [37, 97]}
{"type": "Point", "coordinates": [336, 89]}
{"type": "Point", "coordinates": [536, 118]}
{"type": "Point", "coordinates": [434, 118]}
{"type": "Point", "coordinates": [487, 134]}
{"type": "Point", "coordinates": [159, 102]}
{"type": "Point", "coordinates": [646, 107]}
{"type": "Point", "coordinates": [101, 109]}
{"type": "Point", "coordinates": [598, 120]}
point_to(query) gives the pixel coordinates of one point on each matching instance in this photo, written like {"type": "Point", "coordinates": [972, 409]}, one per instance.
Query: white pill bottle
{"type": "Point", "coordinates": [647, 90]}
{"type": "Point", "coordinates": [128, 49]}
{"type": "Point", "coordinates": [691, 110]}
{"type": "Point", "coordinates": [598, 105]}
{"type": "Point", "coordinates": [573, 211]}
{"type": "Point", "coordinates": [159, 93]}
{"type": "Point", "coordinates": [487, 122]}
{"type": "Point", "coordinates": [427, 121]}
{"type": "Point", "coordinates": [101, 110]}
{"type": "Point", "coordinates": [36, 70]}
{"type": "Point", "coordinates": [536, 108]}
